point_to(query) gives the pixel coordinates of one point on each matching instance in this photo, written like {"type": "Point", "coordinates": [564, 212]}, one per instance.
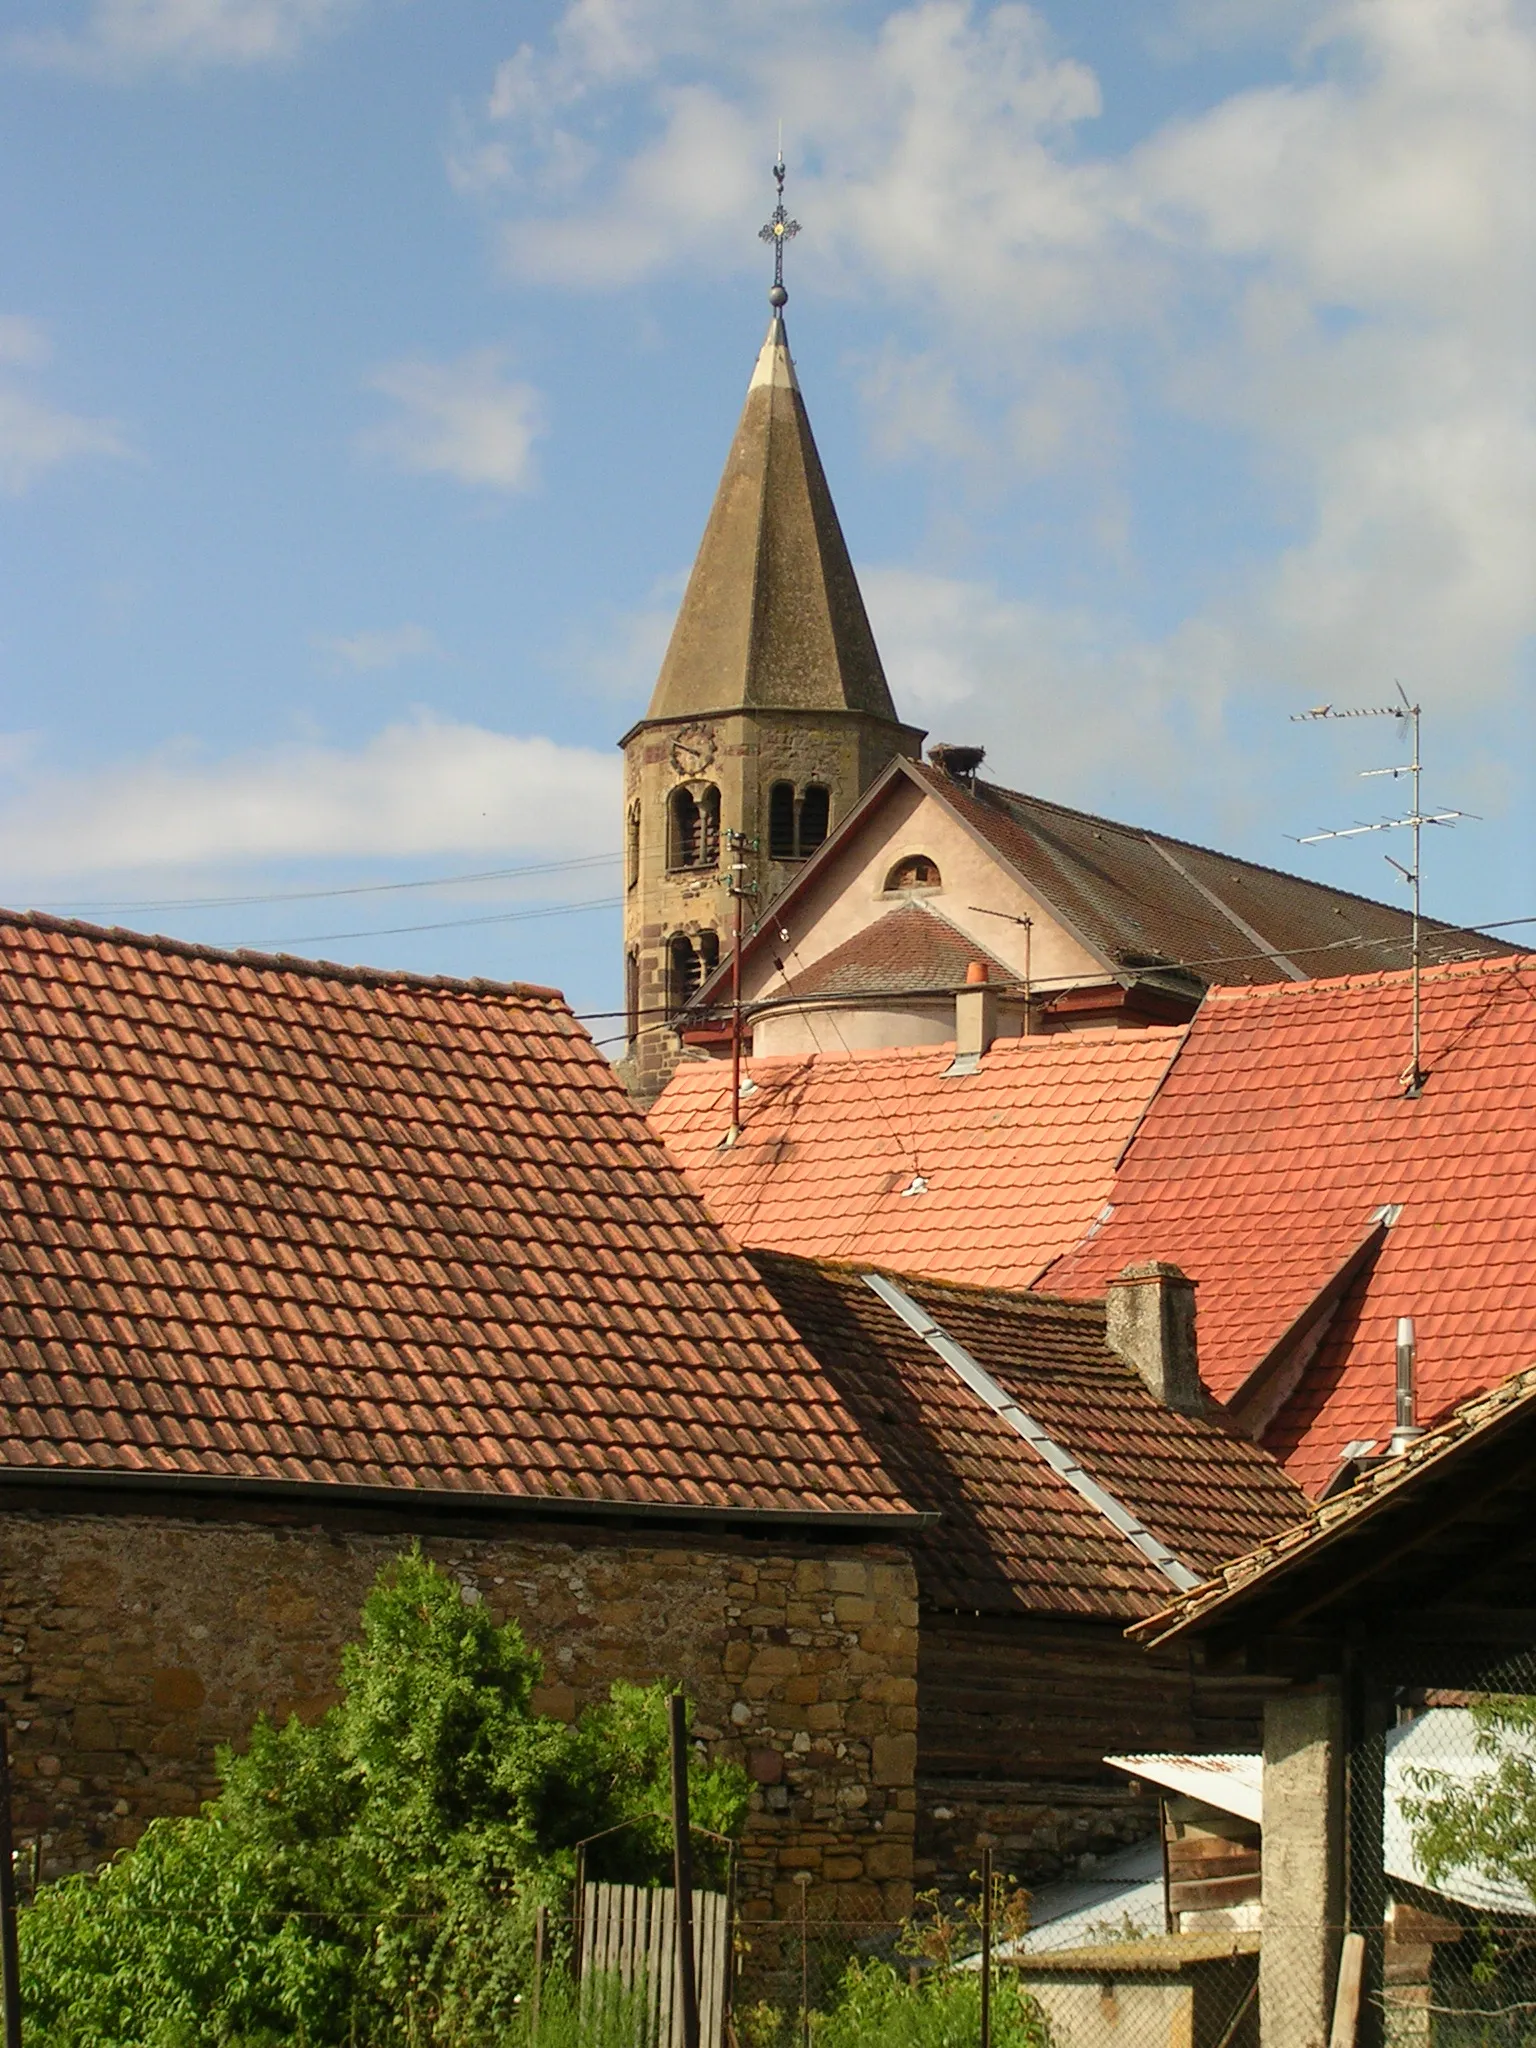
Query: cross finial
{"type": "Point", "coordinates": [778, 229]}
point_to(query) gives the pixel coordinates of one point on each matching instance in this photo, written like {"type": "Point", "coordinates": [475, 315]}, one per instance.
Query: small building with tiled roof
{"type": "Point", "coordinates": [299, 1263]}
{"type": "Point", "coordinates": [1394, 1636]}
{"type": "Point", "coordinates": [1065, 1499]}
{"type": "Point", "coordinates": [1286, 1164]}
{"type": "Point", "coordinates": [1088, 922]}
{"type": "Point", "coordinates": [983, 1175]}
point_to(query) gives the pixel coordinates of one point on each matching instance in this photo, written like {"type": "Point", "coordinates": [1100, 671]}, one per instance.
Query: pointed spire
{"type": "Point", "coordinates": [772, 616]}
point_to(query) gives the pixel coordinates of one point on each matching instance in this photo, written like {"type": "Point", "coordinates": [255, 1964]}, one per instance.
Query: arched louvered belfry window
{"type": "Point", "coordinates": [815, 815]}
{"type": "Point", "coordinates": [632, 848]}
{"type": "Point", "coordinates": [684, 834]}
{"type": "Point", "coordinates": [684, 972]}
{"type": "Point", "coordinates": [781, 821]}
{"type": "Point", "coordinates": [632, 995]}
{"type": "Point", "coordinates": [693, 829]}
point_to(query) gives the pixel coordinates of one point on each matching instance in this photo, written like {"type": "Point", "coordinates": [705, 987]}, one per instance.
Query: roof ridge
{"type": "Point", "coordinates": [1039, 1043]}
{"type": "Point", "coordinates": [1024, 1296]}
{"type": "Point", "coordinates": [280, 963]}
{"type": "Point", "coordinates": [1371, 978]}
{"type": "Point", "coordinates": [1045, 803]}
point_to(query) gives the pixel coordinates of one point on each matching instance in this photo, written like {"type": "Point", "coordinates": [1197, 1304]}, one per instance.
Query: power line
{"type": "Point", "coordinates": [549, 867]}
{"type": "Point", "coordinates": [443, 925]}
{"type": "Point", "coordinates": [764, 1003]}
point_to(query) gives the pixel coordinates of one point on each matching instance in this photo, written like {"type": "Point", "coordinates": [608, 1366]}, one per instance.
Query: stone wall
{"type": "Point", "coordinates": [134, 1644]}
{"type": "Point", "coordinates": [1038, 1832]}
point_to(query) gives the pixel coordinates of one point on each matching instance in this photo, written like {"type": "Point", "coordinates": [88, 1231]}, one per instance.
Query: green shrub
{"type": "Point", "coordinates": [371, 1880]}
{"type": "Point", "coordinates": [876, 2002]}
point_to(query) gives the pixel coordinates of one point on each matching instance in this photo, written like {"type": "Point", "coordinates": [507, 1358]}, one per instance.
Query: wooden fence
{"type": "Point", "coordinates": [630, 1932]}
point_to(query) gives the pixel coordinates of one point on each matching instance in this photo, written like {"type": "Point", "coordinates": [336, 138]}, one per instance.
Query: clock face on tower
{"type": "Point", "coordinates": [693, 750]}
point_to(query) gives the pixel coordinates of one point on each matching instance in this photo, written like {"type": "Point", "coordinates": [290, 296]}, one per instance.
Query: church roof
{"type": "Point", "coordinates": [265, 1222]}
{"type": "Point", "coordinates": [887, 1156]}
{"type": "Point", "coordinates": [1145, 903]}
{"type": "Point", "coordinates": [772, 616]}
{"type": "Point", "coordinates": [1143, 899]}
{"type": "Point", "coordinates": [910, 951]}
{"type": "Point", "coordinates": [1012, 1534]}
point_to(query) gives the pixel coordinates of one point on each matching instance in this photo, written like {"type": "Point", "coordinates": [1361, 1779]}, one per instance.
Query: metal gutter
{"type": "Point", "coordinates": [442, 1500]}
{"type": "Point", "coordinates": [1003, 1405]}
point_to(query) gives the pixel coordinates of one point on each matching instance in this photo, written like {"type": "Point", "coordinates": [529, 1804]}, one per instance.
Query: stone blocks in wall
{"type": "Point", "coordinates": [135, 1644]}
{"type": "Point", "coordinates": [1038, 1832]}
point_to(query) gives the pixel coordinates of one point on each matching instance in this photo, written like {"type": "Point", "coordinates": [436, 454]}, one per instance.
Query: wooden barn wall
{"type": "Point", "coordinates": [1015, 1718]}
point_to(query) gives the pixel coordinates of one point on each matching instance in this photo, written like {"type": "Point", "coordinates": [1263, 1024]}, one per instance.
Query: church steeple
{"type": "Point", "coordinates": [772, 617]}
{"type": "Point", "coordinates": [771, 714]}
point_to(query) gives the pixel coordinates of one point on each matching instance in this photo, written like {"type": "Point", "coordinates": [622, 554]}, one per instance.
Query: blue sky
{"type": "Point", "coordinates": [366, 368]}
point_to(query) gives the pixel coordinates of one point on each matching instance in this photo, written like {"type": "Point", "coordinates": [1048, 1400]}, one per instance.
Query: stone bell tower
{"type": "Point", "coordinates": [770, 717]}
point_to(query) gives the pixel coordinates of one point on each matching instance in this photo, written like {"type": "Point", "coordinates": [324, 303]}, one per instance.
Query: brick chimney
{"type": "Point", "coordinates": [1150, 1323]}
{"type": "Point", "coordinates": [975, 1013]}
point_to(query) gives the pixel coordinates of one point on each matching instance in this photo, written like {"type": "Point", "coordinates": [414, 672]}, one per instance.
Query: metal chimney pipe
{"type": "Point", "coordinates": [1407, 1430]}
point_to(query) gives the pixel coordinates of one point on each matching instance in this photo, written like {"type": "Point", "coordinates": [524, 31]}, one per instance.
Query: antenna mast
{"type": "Point", "coordinates": [1409, 715]}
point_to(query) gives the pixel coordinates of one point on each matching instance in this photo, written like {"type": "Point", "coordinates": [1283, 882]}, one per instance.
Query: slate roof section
{"type": "Point", "coordinates": [1282, 1132]}
{"type": "Point", "coordinates": [1013, 1536]}
{"type": "Point", "coordinates": [267, 1220]}
{"type": "Point", "coordinates": [910, 951]}
{"type": "Point", "coordinates": [1015, 1159]}
{"type": "Point", "coordinates": [772, 615]}
{"type": "Point", "coordinates": [1142, 899]}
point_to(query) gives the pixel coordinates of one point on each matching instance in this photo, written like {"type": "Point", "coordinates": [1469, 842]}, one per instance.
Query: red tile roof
{"type": "Point", "coordinates": [906, 952]}
{"type": "Point", "coordinates": [1014, 1160]}
{"type": "Point", "coordinates": [1282, 1131]}
{"type": "Point", "coordinates": [1013, 1535]}
{"type": "Point", "coordinates": [267, 1220]}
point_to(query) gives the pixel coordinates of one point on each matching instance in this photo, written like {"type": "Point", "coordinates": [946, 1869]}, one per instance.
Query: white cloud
{"type": "Point", "coordinates": [120, 38]}
{"type": "Point", "coordinates": [384, 647]}
{"type": "Point", "coordinates": [426, 787]}
{"type": "Point", "coordinates": [35, 435]}
{"type": "Point", "coordinates": [465, 419]}
{"type": "Point", "coordinates": [618, 657]}
{"type": "Point", "coordinates": [1045, 689]}
{"type": "Point", "coordinates": [1336, 273]}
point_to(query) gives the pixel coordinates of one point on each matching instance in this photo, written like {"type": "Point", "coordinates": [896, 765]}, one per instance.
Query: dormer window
{"type": "Point", "coordinates": [916, 871]}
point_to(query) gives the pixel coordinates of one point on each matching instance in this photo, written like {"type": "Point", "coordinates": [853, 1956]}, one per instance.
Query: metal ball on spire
{"type": "Point", "coordinates": [778, 230]}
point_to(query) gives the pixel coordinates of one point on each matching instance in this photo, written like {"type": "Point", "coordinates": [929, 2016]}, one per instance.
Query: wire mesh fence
{"type": "Point", "coordinates": [1441, 1849]}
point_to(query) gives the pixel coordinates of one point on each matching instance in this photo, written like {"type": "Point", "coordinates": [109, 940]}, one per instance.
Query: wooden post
{"type": "Point", "coordinates": [10, 1961]}
{"type": "Point", "coordinates": [1346, 2001]}
{"type": "Point", "coordinates": [540, 1936]}
{"type": "Point", "coordinates": [986, 1948]}
{"type": "Point", "coordinates": [682, 1875]}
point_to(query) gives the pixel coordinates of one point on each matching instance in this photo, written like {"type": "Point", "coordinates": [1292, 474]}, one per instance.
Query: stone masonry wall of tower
{"type": "Point", "coordinates": [770, 717]}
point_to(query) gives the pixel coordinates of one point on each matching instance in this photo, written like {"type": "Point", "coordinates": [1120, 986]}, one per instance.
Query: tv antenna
{"type": "Point", "coordinates": [1417, 818]}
